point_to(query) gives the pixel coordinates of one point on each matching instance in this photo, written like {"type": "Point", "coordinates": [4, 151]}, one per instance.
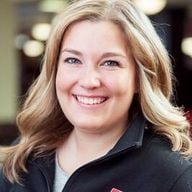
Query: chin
{"type": "Point", "coordinates": [88, 126]}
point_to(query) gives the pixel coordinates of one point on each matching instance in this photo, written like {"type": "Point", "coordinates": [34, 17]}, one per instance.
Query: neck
{"type": "Point", "coordinates": [82, 147]}
{"type": "Point", "coordinates": [95, 143]}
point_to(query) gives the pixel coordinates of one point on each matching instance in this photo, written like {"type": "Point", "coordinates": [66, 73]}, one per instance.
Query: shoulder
{"type": "Point", "coordinates": [159, 149]}
{"type": "Point", "coordinates": [184, 182]}
{"type": "Point", "coordinates": [4, 183]}
{"type": "Point", "coordinates": [38, 171]}
{"type": "Point", "coordinates": [170, 165]}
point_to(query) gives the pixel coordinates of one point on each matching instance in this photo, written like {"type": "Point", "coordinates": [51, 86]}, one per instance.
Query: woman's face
{"type": "Point", "coordinates": [95, 81]}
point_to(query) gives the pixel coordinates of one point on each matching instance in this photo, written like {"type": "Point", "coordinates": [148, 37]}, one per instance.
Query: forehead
{"type": "Point", "coordinates": [93, 32]}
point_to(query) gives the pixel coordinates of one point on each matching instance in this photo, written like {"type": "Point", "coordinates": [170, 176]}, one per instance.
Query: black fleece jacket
{"type": "Point", "coordinates": [141, 161]}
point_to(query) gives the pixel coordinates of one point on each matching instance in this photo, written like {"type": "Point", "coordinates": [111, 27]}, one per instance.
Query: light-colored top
{"type": "Point", "coordinates": [61, 177]}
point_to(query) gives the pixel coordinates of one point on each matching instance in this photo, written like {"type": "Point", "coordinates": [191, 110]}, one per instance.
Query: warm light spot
{"type": "Point", "coordinates": [52, 5]}
{"type": "Point", "coordinates": [33, 48]}
{"type": "Point", "coordinates": [40, 31]}
{"type": "Point", "coordinates": [151, 7]}
{"type": "Point", "coordinates": [186, 46]}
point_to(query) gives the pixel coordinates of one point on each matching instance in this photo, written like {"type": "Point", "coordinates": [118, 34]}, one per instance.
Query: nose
{"type": "Point", "coordinates": [90, 78]}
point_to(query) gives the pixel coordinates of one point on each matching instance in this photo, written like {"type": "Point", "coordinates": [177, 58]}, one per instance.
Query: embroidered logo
{"type": "Point", "coordinates": [115, 190]}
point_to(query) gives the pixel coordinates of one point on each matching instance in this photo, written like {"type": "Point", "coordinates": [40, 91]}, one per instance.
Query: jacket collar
{"type": "Point", "coordinates": [133, 136]}
{"type": "Point", "coordinates": [45, 164]}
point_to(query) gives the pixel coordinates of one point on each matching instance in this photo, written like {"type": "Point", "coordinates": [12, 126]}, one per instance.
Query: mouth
{"type": "Point", "coordinates": [90, 100]}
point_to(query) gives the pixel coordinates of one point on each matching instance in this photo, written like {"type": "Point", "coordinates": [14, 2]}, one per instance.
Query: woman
{"type": "Point", "coordinates": [99, 117]}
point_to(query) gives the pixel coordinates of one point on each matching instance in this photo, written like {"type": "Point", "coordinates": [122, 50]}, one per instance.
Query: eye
{"type": "Point", "coordinates": [72, 60]}
{"type": "Point", "coordinates": [111, 63]}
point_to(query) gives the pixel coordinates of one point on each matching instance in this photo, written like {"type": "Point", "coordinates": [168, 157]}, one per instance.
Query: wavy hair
{"type": "Point", "coordinates": [41, 121]}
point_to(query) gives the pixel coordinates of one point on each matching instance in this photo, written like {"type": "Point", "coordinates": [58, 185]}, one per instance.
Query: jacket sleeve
{"type": "Point", "coordinates": [184, 182]}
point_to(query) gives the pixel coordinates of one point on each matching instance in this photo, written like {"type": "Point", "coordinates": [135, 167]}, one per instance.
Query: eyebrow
{"type": "Point", "coordinates": [72, 51]}
{"type": "Point", "coordinates": [106, 54]}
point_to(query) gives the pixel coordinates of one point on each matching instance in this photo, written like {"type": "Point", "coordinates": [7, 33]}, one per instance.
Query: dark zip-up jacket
{"type": "Point", "coordinates": [141, 161]}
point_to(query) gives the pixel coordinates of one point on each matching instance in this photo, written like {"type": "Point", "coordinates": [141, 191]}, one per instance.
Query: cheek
{"type": "Point", "coordinates": [122, 84]}
{"type": "Point", "coordinates": [63, 80]}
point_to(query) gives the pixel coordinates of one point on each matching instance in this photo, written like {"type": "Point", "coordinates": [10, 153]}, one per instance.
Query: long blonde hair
{"type": "Point", "coordinates": [41, 121]}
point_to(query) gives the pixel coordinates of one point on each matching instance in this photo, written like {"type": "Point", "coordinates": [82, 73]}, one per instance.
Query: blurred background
{"type": "Point", "coordinates": [25, 26]}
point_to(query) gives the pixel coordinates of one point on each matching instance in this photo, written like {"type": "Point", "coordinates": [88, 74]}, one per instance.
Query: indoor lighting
{"type": "Point", "coordinates": [151, 7]}
{"type": "Point", "coordinates": [41, 31]}
{"type": "Point", "coordinates": [52, 5]}
{"type": "Point", "coordinates": [186, 46]}
{"type": "Point", "coordinates": [33, 48]}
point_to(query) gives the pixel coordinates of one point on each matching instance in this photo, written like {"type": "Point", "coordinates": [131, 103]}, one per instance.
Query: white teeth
{"type": "Point", "coordinates": [90, 101]}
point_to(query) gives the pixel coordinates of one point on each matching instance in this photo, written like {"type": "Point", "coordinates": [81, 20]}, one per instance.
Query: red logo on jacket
{"type": "Point", "coordinates": [115, 190]}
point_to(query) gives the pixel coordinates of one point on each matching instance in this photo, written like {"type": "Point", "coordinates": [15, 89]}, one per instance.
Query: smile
{"type": "Point", "coordinates": [90, 100]}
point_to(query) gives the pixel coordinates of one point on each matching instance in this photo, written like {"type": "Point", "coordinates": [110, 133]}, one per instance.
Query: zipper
{"type": "Point", "coordinates": [74, 175]}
